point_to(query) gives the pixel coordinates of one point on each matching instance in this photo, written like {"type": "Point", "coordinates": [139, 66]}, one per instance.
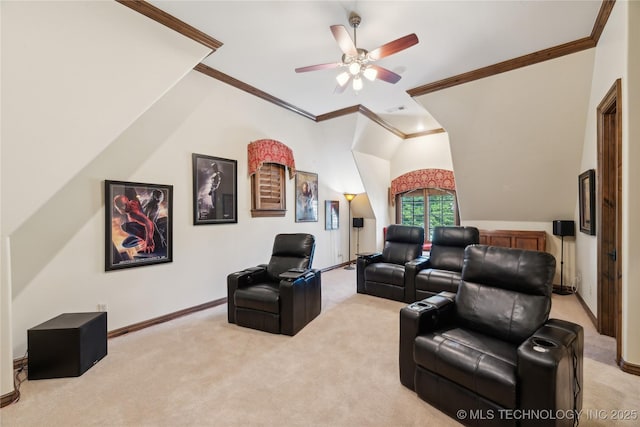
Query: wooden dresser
{"type": "Point", "coordinates": [532, 240]}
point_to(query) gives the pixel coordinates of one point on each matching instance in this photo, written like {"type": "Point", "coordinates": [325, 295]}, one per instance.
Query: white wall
{"type": "Point", "coordinates": [631, 193]}
{"type": "Point", "coordinates": [71, 82]}
{"type": "Point", "coordinates": [515, 137]}
{"type": "Point", "coordinates": [426, 152]}
{"type": "Point", "coordinates": [198, 114]}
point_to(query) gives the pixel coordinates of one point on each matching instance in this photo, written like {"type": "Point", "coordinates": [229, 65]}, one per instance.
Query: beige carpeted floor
{"type": "Point", "coordinates": [341, 370]}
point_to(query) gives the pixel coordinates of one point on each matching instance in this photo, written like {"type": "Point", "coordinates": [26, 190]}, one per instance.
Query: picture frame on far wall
{"type": "Point", "coordinates": [138, 224]}
{"type": "Point", "coordinates": [215, 190]}
{"type": "Point", "coordinates": [586, 200]}
{"type": "Point", "coordinates": [306, 197]}
{"type": "Point", "coordinates": [331, 214]}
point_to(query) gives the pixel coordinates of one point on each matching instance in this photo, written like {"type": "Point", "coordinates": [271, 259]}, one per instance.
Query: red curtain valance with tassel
{"type": "Point", "coordinates": [270, 151]}
{"type": "Point", "coordinates": [423, 178]}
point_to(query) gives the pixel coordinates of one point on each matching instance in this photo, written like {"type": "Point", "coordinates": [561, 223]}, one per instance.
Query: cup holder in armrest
{"type": "Point", "coordinates": [420, 306]}
{"type": "Point", "coordinates": [542, 345]}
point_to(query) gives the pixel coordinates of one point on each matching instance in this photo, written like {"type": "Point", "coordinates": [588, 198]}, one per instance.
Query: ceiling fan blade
{"type": "Point", "coordinates": [393, 47]}
{"type": "Point", "coordinates": [340, 88]}
{"type": "Point", "coordinates": [386, 75]}
{"type": "Point", "coordinates": [318, 67]}
{"type": "Point", "coordinates": [343, 38]}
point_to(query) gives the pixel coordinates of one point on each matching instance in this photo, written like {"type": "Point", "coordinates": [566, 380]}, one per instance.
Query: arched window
{"type": "Point", "coordinates": [426, 198]}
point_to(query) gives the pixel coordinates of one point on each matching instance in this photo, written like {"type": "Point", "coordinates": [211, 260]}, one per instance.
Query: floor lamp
{"type": "Point", "coordinates": [563, 228]}
{"type": "Point", "coordinates": [349, 197]}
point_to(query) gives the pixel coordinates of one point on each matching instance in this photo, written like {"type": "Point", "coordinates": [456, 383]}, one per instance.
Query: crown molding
{"type": "Point", "coordinates": [525, 60]}
{"type": "Point", "coordinates": [218, 75]}
{"type": "Point", "coordinates": [162, 17]}
{"type": "Point", "coordinates": [225, 78]}
{"type": "Point", "coordinates": [170, 21]}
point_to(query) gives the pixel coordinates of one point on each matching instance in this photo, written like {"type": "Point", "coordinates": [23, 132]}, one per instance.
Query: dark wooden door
{"type": "Point", "coordinates": [609, 218]}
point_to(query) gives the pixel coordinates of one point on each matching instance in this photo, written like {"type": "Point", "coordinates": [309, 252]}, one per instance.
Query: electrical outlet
{"type": "Point", "coordinates": [102, 307]}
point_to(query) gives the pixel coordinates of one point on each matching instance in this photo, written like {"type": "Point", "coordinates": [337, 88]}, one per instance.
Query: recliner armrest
{"type": "Point", "coordinates": [238, 280]}
{"type": "Point", "coordinates": [416, 319]}
{"type": "Point", "coordinates": [363, 261]}
{"type": "Point", "coordinates": [411, 269]}
{"type": "Point", "coordinates": [371, 257]}
{"type": "Point", "coordinates": [294, 273]}
{"type": "Point", "coordinates": [550, 368]}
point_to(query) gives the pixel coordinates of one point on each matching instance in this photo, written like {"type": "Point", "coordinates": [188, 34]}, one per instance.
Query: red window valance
{"type": "Point", "coordinates": [270, 151]}
{"type": "Point", "coordinates": [423, 178]}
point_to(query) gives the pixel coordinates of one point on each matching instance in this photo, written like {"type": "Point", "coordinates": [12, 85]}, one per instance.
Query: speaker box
{"type": "Point", "coordinates": [564, 228]}
{"type": "Point", "coordinates": [67, 345]}
{"type": "Point", "coordinates": [358, 222]}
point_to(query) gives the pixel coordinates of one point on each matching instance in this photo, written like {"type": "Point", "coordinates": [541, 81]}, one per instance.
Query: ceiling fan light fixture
{"type": "Point", "coordinates": [370, 73]}
{"type": "Point", "coordinates": [342, 78]}
{"type": "Point", "coordinates": [354, 68]}
{"type": "Point", "coordinates": [357, 83]}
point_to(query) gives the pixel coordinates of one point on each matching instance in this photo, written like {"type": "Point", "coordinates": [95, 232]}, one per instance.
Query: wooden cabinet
{"type": "Point", "coordinates": [531, 240]}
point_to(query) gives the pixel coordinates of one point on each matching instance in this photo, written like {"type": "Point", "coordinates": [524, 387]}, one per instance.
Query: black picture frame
{"type": "Point", "coordinates": [215, 190]}
{"type": "Point", "coordinates": [306, 197]}
{"type": "Point", "coordinates": [331, 215]}
{"type": "Point", "coordinates": [138, 224]}
{"type": "Point", "coordinates": [587, 204]}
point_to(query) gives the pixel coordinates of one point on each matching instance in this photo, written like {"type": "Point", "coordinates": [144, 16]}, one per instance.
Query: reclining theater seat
{"type": "Point", "coordinates": [491, 348]}
{"type": "Point", "coordinates": [444, 266]}
{"type": "Point", "coordinates": [281, 297]}
{"type": "Point", "coordinates": [384, 274]}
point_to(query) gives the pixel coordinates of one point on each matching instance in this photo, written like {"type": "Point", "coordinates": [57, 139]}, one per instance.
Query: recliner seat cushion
{"type": "Point", "coordinates": [480, 363]}
{"type": "Point", "coordinates": [434, 281]}
{"type": "Point", "coordinates": [262, 296]}
{"type": "Point", "coordinates": [383, 272]}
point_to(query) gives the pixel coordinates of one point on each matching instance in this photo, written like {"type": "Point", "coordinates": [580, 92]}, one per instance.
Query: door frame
{"type": "Point", "coordinates": [611, 104]}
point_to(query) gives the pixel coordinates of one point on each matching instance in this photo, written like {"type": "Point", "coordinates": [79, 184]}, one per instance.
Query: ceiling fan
{"type": "Point", "coordinates": [359, 62]}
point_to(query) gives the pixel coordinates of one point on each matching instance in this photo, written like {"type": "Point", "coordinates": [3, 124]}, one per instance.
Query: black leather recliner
{"type": "Point", "coordinates": [281, 297]}
{"type": "Point", "coordinates": [442, 269]}
{"type": "Point", "coordinates": [490, 353]}
{"type": "Point", "coordinates": [385, 274]}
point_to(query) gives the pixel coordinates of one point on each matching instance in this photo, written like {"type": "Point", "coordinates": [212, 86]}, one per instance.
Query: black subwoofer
{"type": "Point", "coordinates": [67, 345]}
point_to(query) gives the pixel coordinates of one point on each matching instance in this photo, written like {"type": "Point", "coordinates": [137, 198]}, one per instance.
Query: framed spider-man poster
{"type": "Point", "coordinates": [138, 224]}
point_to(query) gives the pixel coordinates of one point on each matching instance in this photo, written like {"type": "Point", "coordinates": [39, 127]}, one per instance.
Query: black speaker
{"type": "Point", "coordinates": [564, 228]}
{"type": "Point", "coordinates": [358, 222]}
{"type": "Point", "coordinates": [67, 345]}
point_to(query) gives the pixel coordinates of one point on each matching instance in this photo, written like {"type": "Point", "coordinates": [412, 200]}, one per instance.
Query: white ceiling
{"type": "Point", "coordinates": [264, 41]}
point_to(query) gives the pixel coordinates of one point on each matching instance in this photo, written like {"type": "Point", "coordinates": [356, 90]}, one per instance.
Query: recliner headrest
{"type": "Point", "coordinates": [519, 270]}
{"type": "Point", "coordinates": [455, 236]}
{"type": "Point", "coordinates": [405, 234]}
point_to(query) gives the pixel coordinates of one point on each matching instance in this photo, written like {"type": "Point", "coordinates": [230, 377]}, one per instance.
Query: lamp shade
{"type": "Point", "coordinates": [564, 228]}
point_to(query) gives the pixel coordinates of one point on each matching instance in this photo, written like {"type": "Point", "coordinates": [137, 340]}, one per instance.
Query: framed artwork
{"type": "Point", "coordinates": [306, 197]}
{"type": "Point", "coordinates": [331, 214]}
{"type": "Point", "coordinates": [587, 195]}
{"type": "Point", "coordinates": [138, 224]}
{"type": "Point", "coordinates": [215, 190]}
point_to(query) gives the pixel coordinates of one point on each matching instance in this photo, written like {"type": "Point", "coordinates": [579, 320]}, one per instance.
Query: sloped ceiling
{"type": "Point", "coordinates": [264, 41]}
{"type": "Point", "coordinates": [516, 137]}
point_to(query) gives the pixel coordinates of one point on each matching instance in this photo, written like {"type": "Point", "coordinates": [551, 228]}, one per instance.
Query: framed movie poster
{"type": "Point", "coordinates": [306, 197]}
{"type": "Point", "coordinates": [215, 189]}
{"type": "Point", "coordinates": [138, 224]}
{"type": "Point", "coordinates": [586, 201]}
{"type": "Point", "coordinates": [331, 214]}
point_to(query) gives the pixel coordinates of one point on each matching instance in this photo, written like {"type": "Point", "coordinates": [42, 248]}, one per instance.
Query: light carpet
{"type": "Point", "coordinates": [340, 370]}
